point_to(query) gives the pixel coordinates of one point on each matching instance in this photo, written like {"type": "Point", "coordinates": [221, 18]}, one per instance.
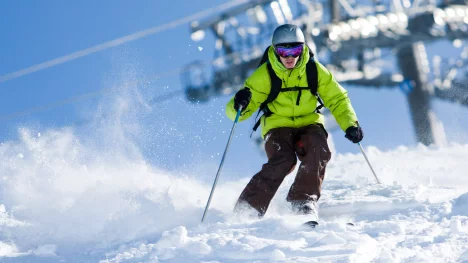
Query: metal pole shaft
{"type": "Point", "coordinates": [367, 160]}
{"type": "Point", "coordinates": [221, 164]}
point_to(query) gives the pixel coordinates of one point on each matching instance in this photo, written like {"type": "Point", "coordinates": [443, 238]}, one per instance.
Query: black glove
{"type": "Point", "coordinates": [242, 98]}
{"type": "Point", "coordinates": [354, 134]}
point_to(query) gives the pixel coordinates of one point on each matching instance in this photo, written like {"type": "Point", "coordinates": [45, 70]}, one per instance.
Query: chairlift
{"type": "Point", "coordinates": [193, 77]}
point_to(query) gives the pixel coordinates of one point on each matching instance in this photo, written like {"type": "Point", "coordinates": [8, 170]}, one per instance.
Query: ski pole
{"type": "Point", "coordinates": [367, 160]}
{"type": "Point", "coordinates": [222, 162]}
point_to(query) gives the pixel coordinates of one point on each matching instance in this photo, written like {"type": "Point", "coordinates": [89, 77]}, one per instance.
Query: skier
{"type": "Point", "coordinates": [292, 124]}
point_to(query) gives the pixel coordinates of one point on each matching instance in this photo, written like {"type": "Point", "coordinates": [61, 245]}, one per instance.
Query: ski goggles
{"type": "Point", "coordinates": [289, 51]}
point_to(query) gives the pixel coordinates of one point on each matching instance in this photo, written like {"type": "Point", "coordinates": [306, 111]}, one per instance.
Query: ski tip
{"type": "Point", "coordinates": [314, 223]}
{"type": "Point", "coordinates": [311, 224]}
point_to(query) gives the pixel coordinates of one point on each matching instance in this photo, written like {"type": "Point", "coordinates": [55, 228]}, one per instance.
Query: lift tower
{"type": "Point", "coordinates": [355, 40]}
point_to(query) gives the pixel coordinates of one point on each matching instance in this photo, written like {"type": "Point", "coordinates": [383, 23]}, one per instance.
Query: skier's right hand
{"type": "Point", "coordinates": [242, 98]}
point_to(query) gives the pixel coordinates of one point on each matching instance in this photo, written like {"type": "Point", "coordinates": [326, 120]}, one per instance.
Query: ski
{"type": "Point", "coordinates": [313, 224]}
{"type": "Point", "coordinates": [315, 212]}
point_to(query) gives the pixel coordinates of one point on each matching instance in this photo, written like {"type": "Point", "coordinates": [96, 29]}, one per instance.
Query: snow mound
{"type": "Point", "coordinates": [460, 205]}
{"type": "Point", "coordinates": [66, 199]}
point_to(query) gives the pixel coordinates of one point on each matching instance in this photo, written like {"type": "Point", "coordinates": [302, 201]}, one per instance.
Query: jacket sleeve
{"type": "Point", "coordinates": [335, 98]}
{"type": "Point", "coordinates": [259, 85]}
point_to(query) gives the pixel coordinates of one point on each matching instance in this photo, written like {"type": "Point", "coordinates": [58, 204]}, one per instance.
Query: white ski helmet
{"type": "Point", "coordinates": [287, 33]}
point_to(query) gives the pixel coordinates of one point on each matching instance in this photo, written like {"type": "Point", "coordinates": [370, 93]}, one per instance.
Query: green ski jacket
{"type": "Point", "coordinates": [285, 112]}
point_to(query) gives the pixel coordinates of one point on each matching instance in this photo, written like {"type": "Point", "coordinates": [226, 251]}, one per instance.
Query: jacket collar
{"type": "Point", "coordinates": [281, 71]}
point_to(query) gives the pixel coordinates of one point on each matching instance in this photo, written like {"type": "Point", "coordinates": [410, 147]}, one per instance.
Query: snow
{"type": "Point", "coordinates": [64, 199]}
{"type": "Point", "coordinates": [7, 250]}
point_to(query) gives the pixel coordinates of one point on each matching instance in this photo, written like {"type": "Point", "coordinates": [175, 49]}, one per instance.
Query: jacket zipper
{"type": "Point", "coordinates": [293, 119]}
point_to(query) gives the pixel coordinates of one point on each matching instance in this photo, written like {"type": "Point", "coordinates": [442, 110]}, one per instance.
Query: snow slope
{"type": "Point", "coordinates": [65, 200]}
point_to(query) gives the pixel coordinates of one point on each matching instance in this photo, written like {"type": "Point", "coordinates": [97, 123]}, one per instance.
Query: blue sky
{"type": "Point", "coordinates": [36, 31]}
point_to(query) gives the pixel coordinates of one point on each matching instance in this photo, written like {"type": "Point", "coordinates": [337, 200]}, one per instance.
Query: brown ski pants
{"type": "Point", "coordinates": [282, 146]}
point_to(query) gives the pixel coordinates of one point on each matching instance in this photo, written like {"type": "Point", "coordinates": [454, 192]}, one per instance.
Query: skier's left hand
{"type": "Point", "coordinates": [354, 134]}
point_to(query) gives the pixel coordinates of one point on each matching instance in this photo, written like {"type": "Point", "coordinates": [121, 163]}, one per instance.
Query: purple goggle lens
{"type": "Point", "coordinates": [294, 51]}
